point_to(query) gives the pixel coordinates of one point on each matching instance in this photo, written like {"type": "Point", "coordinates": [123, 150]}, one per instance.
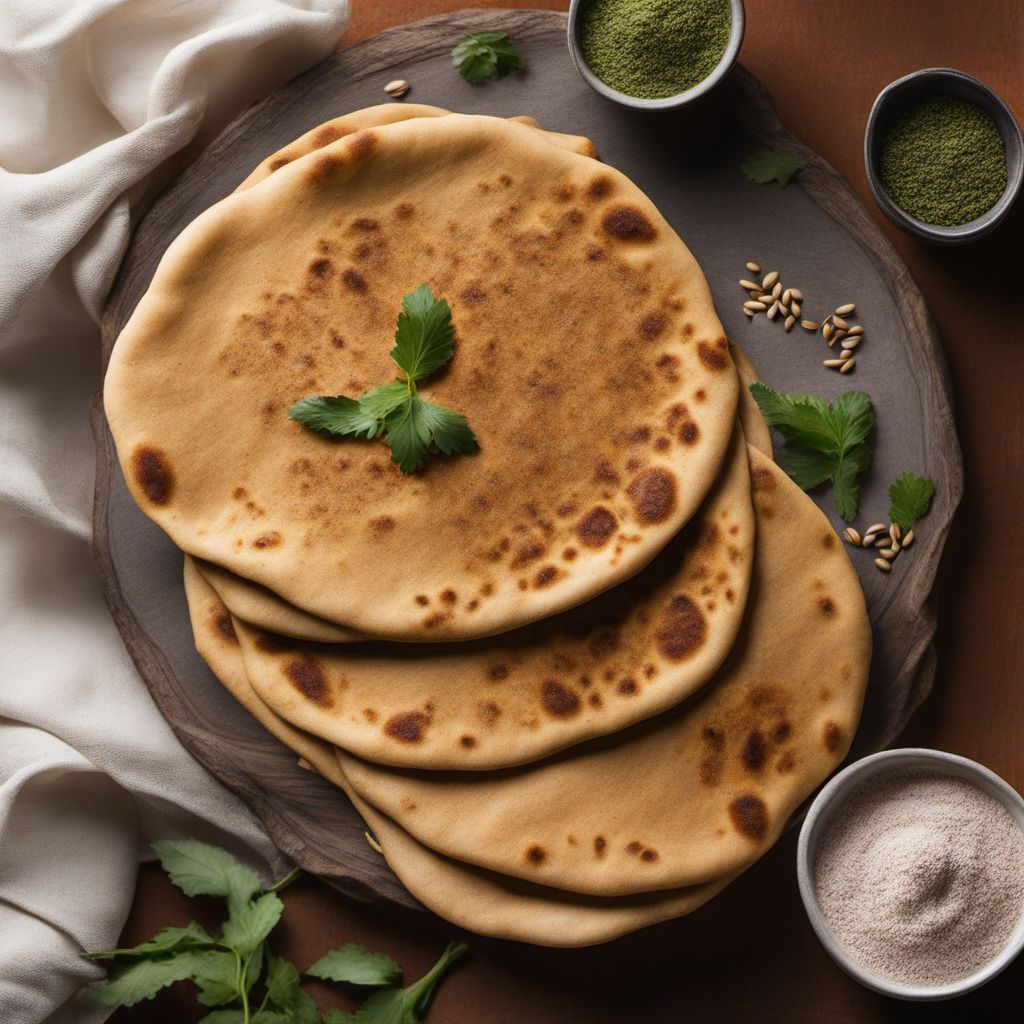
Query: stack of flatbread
{"type": "Point", "coordinates": [575, 682]}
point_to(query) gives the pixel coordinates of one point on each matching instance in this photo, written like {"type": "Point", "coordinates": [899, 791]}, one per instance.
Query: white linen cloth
{"type": "Point", "coordinates": [95, 97]}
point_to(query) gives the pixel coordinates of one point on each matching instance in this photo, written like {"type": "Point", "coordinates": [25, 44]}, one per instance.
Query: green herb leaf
{"type": "Point", "coordinates": [424, 337]}
{"type": "Point", "coordinates": [167, 940]}
{"type": "Point", "coordinates": [486, 55]}
{"type": "Point", "coordinates": [224, 1017]}
{"type": "Point", "coordinates": [773, 165]}
{"type": "Point", "coordinates": [357, 965]}
{"type": "Point", "coordinates": [449, 430]}
{"type": "Point", "coordinates": [199, 869]}
{"type": "Point", "coordinates": [141, 980]}
{"type": "Point", "coordinates": [380, 401]}
{"type": "Point", "coordinates": [250, 923]}
{"type": "Point", "coordinates": [285, 994]}
{"type": "Point", "coordinates": [276, 1017]}
{"type": "Point", "coordinates": [341, 416]}
{"type": "Point", "coordinates": [911, 499]}
{"type": "Point", "coordinates": [216, 974]}
{"type": "Point", "coordinates": [339, 1017]}
{"type": "Point", "coordinates": [823, 441]}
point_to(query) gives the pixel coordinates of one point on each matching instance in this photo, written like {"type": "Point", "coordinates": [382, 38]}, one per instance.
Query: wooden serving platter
{"type": "Point", "coordinates": [815, 232]}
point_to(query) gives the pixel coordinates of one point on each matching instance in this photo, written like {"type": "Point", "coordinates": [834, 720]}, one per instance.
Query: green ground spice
{"type": "Point", "coordinates": [943, 162]}
{"type": "Point", "coordinates": [654, 48]}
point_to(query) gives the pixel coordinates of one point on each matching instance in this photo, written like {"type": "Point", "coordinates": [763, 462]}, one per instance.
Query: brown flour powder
{"type": "Point", "coordinates": [921, 877]}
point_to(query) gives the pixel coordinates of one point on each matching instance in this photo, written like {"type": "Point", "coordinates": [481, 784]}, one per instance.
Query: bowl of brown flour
{"type": "Point", "coordinates": [911, 868]}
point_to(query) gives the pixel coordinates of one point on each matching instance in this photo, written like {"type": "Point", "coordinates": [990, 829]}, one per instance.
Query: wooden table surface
{"type": "Point", "coordinates": [751, 954]}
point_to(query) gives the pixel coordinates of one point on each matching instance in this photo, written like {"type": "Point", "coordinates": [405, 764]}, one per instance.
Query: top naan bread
{"type": "Point", "coordinates": [588, 464]}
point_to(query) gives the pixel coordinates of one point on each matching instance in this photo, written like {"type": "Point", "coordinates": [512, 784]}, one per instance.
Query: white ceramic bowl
{"type": "Point", "coordinates": [830, 799]}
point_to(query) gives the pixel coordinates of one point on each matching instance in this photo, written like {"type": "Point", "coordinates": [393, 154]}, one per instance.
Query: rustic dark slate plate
{"type": "Point", "coordinates": [815, 232]}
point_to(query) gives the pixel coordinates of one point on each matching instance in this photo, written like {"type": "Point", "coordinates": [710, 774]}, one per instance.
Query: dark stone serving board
{"type": "Point", "coordinates": [815, 232]}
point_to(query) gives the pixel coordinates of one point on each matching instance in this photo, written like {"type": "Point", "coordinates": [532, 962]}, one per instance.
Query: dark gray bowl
{"type": "Point", "coordinates": [665, 102]}
{"type": "Point", "coordinates": [904, 93]}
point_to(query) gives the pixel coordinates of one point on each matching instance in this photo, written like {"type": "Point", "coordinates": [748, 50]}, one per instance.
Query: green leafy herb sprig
{"type": "Point", "coordinates": [910, 498]}
{"type": "Point", "coordinates": [773, 165]}
{"type": "Point", "coordinates": [485, 55]}
{"type": "Point", "coordinates": [236, 973]}
{"type": "Point", "coordinates": [824, 441]}
{"type": "Point", "coordinates": [413, 427]}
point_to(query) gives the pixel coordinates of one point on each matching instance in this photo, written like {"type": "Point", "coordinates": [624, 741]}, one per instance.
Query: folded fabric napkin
{"type": "Point", "coordinates": [96, 98]}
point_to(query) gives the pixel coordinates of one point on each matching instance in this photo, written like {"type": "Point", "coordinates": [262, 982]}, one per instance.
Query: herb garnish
{"type": "Point", "coordinates": [236, 972]}
{"type": "Point", "coordinates": [824, 441]}
{"type": "Point", "coordinates": [773, 165]}
{"type": "Point", "coordinates": [487, 55]}
{"type": "Point", "coordinates": [911, 499]}
{"type": "Point", "coordinates": [424, 342]}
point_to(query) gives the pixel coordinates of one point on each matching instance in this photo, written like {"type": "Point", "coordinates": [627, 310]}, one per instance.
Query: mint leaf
{"type": "Point", "coordinates": [339, 1017]}
{"type": "Point", "coordinates": [424, 337]}
{"type": "Point", "coordinates": [199, 869]}
{"type": "Point", "coordinates": [276, 1017]}
{"type": "Point", "coordinates": [408, 435]}
{"type": "Point", "coordinates": [823, 441]}
{"type": "Point", "coordinates": [773, 165]}
{"type": "Point", "coordinates": [224, 1017]}
{"type": "Point", "coordinates": [341, 416]}
{"type": "Point", "coordinates": [486, 55]}
{"type": "Point", "coordinates": [449, 430]}
{"type": "Point", "coordinates": [911, 499]}
{"type": "Point", "coordinates": [250, 923]}
{"type": "Point", "coordinates": [380, 401]}
{"type": "Point", "coordinates": [141, 980]}
{"type": "Point", "coordinates": [357, 965]}
{"type": "Point", "coordinates": [285, 994]}
{"type": "Point", "coordinates": [216, 974]}
{"type": "Point", "coordinates": [192, 936]}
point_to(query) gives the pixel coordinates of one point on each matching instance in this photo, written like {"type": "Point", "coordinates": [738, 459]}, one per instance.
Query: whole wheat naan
{"type": "Point", "coordinates": [701, 791]}
{"type": "Point", "coordinates": [507, 908]}
{"type": "Point", "coordinates": [587, 467]}
{"type": "Point", "coordinates": [627, 654]}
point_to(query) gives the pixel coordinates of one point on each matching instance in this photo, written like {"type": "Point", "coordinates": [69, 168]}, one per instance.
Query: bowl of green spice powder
{"type": "Point", "coordinates": [944, 156]}
{"type": "Point", "coordinates": [654, 54]}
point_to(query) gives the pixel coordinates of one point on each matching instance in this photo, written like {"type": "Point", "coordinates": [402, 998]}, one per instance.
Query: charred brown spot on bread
{"type": "Point", "coordinates": [653, 494]}
{"type": "Point", "coordinates": [545, 576]}
{"type": "Point", "coordinates": [708, 535]}
{"type": "Point", "coordinates": [786, 762]}
{"type": "Point", "coordinates": [489, 712]}
{"type": "Point", "coordinates": [422, 600]}
{"type": "Point", "coordinates": [403, 211]}
{"type": "Point", "coordinates": [600, 845]}
{"type": "Point", "coordinates": [634, 846]}
{"type": "Point", "coordinates": [306, 674]}
{"type": "Point", "coordinates": [267, 540]}
{"type": "Point", "coordinates": [827, 607]}
{"type": "Point", "coordinates": [321, 267]}
{"type": "Point", "coordinates": [749, 816]}
{"type": "Point", "coordinates": [527, 553]}
{"type": "Point", "coordinates": [594, 253]}
{"type": "Point", "coordinates": [604, 473]}
{"type": "Point", "coordinates": [828, 541]}
{"type": "Point", "coordinates": [370, 715]}
{"type": "Point", "coordinates": [225, 628]}
{"type": "Point", "coordinates": [467, 741]}
{"type": "Point", "coordinates": [558, 699]}
{"type": "Point", "coordinates": [327, 134]}
{"type": "Point", "coordinates": [382, 524]}
{"type": "Point", "coordinates": [407, 726]}
{"type": "Point", "coordinates": [152, 471]}
{"type": "Point", "coordinates": [353, 280]}
{"type": "Point", "coordinates": [365, 224]}
{"type": "Point", "coordinates": [683, 629]}
{"type": "Point", "coordinates": [595, 529]}
{"type": "Point", "coordinates": [323, 166]}
{"type": "Point", "coordinates": [832, 735]}
{"type": "Point", "coordinates": [700, 395]}
{"type": "Point", "coordinates": [536, 855]}
{"type": "Point", "coordinates": [273, 643]}
{"type": "Point", "coordinates": [781, 731]}
{"type": "Point", "coordinates": [712, 357]}
{"type": "Point", "coordinates": [603, 641]}
{"type": "Point", "coordinates": [362, 143]}
{"type": "Point", "coordinates": [595, 700]}
{"type": "Point", "coordinates": [628, 223]}
{"type": "Point", "coordinates": [648, 855]}
{"type": "Point", "coordinates": [755, 750]}
{"type": "Point", "coordinates": [652, 326]}
{"type": "Point", "coordinates": [764, 481]}
{"type": "Point", "coordinates": [628, 686]}
{"type": "Point", "coordinates": [449, 596]}
{"type": "Point", "coordinates": [278, 163]}
{"type": "Point", "coordinates": [473, 295]}
{"type": "Point", "coordinates": [689, 433]}
{"type": "Point", "coordinates": [498, 671]}
{"type": "Point", "coordinates": [599, 187]}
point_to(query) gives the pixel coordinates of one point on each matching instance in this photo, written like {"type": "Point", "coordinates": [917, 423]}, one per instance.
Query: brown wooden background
{"type": "Point", "coordinates": [752, 954]}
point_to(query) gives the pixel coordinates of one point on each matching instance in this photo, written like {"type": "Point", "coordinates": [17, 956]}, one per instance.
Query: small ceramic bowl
{"type": "Point", "coordinates": [665, 102]}
{"type": "Point", "coordinates": [831, 798]}
{"type": "Point", "coordinates": [897, 98]}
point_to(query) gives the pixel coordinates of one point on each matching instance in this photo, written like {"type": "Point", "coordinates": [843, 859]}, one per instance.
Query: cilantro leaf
{"type": "Point", "coordinates": [358, 966]}
{"type": "Point", "coordinates": [341, 416]}
{"type": "Point", "coordinates": [424, 337]}
{"type": "Point", "coordinates": [911, 499]}
{"type": "Point", "coordinates": [823, 441]}
{"type": "Point", "coordinates": [141, 980]}
{"type": "Point", "coordinates": [773, 165]}
{"type": "Point", "coordinates": [486, 55]}
{"type": "Point", "coordinates": [250, 923]}
{"type": "Point", "coordinates": [199, 869]}
{"type": "Point", "coordinates": [216, 974]}
{"type": "Point", "coordinates": [285, 994]}
{"type": "Point", "coordinates": [167, 940]}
